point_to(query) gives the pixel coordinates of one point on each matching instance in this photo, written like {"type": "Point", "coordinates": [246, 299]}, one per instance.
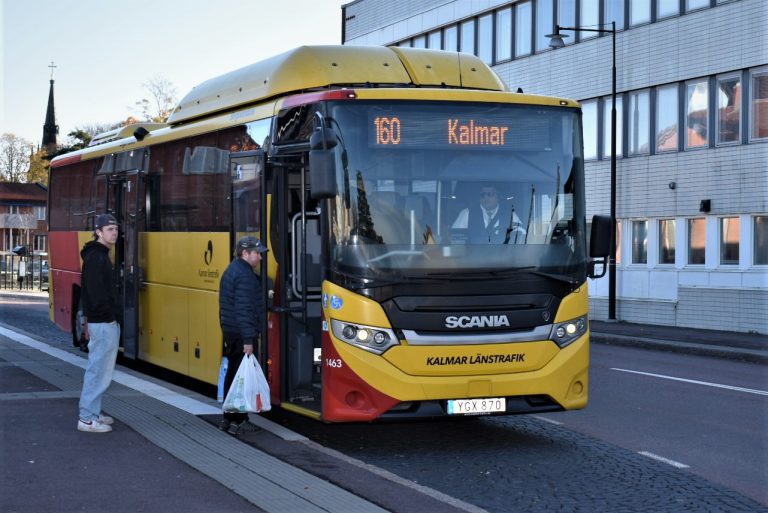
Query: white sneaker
{"type": "Point", "coordinates": [106, 419]}
{"type": "Point", "coordinates": [93, 426]}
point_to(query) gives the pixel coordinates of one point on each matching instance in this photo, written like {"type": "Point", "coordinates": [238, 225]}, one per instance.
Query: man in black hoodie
{"type": "Point", "coordinates": [99, 298]}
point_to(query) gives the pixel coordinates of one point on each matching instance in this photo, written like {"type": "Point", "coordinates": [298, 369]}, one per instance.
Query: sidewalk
{"type": "Point", "coordinates": [165, 453]}
{"type": "Point", "coordinates": [748, 347]}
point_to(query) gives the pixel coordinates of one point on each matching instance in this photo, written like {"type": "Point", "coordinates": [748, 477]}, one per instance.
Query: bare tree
{"type": "Point", "coordinates": [81, 136]}
{"type": "Point", "coordinates": [14, 158]}
{"type": "Point", "coordinates": [161, 101]}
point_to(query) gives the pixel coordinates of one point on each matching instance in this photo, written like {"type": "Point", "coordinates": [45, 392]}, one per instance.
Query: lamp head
{"type": "Point", "coordinates": [556, 39]}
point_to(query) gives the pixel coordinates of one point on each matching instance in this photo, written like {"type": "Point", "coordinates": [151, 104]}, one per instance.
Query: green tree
{"type": "Point", "coordinates": [15, 154]}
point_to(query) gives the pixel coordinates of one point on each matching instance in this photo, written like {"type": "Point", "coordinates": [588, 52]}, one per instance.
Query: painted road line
{"type": "Point", "coordinates": [545, 419]}
{"type": "Point", "coordinates": [696, 382]}
{"type": "Point", "coordinates": [662, 459]}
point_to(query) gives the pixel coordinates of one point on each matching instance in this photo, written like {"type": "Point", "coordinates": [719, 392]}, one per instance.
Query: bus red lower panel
{"type": "Point", "coordinates": [346, 396]}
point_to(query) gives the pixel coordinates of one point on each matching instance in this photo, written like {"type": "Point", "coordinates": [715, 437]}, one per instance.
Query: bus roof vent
{"type": "Point", "coordinates": [448, 69]}
{"type": "Point", "coordinates": [124, 131]}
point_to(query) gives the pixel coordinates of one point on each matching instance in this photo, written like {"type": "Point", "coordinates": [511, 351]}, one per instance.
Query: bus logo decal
{"type": "Point", "coordinates": [336, 302]}
{"type": "Point", "coordinates": [208, 255]}
{"type": "Point", "coordinates": [476, 321]}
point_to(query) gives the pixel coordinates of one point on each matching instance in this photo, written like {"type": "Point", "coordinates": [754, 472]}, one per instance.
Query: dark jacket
{"type": "Point", "coordinates": [241, 306]}
{"type": "Point", "coordinates": [496, 230]}
{"type": "Point", "coordinates": [99, 289]}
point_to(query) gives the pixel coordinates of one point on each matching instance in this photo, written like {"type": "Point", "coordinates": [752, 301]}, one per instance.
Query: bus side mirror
{"type": "Point", "coordinates": [600, 240]}
{"type": "Point", "coordinates": [322, 163]}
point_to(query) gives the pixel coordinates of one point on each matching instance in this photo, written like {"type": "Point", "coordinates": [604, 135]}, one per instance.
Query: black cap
{"type": "Point", "coordinates": [252, 244]}
{"type": "Point", "coordinates": [105, 220]}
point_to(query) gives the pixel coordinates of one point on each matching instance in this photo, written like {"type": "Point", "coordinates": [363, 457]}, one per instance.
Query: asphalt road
{"type": "Point", "coordinates": [708, 414]}
{"type": "Point", "coordinates": [588, 460]}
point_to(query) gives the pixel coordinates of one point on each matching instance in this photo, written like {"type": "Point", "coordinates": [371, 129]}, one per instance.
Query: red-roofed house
{"type": "Point", "coordinates": [22, 216]}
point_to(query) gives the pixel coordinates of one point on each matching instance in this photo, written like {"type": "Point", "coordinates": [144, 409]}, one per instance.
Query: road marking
{"type": "Point", "coordinates": [556, 423]}
{"type": "Point", "coordinates": [662, 459]}
{"type": "Point", "coordinates": [696, 382]}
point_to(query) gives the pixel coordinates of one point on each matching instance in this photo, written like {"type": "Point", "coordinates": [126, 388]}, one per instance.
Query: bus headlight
{"type": "Point", "coordinates": [566, 332]}
{"type": "Point", "coordinates": [373, 339]}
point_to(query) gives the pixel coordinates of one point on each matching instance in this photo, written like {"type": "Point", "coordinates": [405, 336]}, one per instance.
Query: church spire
{"type": "Point", "coordinates": [50, 128]}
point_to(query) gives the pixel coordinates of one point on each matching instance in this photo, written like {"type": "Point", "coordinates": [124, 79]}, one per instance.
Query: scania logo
{"type": "Point", "coordinates": [476, 321]}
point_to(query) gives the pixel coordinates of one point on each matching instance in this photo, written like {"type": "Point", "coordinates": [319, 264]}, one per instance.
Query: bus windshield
{"type": "Point", "coordinates": [436, 189]}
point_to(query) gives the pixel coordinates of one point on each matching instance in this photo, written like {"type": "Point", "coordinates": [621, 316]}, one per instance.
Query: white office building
{"type": "Point", "coordinates": [692, 132]}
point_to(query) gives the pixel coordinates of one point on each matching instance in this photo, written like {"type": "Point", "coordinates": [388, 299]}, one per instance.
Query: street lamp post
{"type": "Point", "coordinates": [556, 41]}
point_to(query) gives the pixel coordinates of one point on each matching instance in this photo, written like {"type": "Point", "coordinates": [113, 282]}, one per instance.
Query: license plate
{"type": "Point", "coordinates": [476, 406]}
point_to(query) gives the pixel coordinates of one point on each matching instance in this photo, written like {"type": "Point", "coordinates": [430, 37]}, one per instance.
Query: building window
{"type": "Point", "coordinates": [696, 114]}
{"type": "Point", "coordinates": [640, 242]}
{"type": "Point", "coordinates": [420, 41]}
{"type": "Point", "coordinates": [691, 5]}
{"type": "Point", "coordinates": [468, 37]}
{"type": "Point", "coordinates": [760, 237]}
{"type": "Point", "coordinates": [729, 240]}
{"type": "Point", "coordinates": [433, 40]}
{"type": "Point", "coordinates": [523, 26]}
{"type": "Point", "coordinates": [40, 243]}
{"type": "Point", "coordinates": [639, 12]}
{"type": "Point", "coordinates": [666, 8]}
{"type": "Point", "coordinates": [667, 237]}
{"type": "Point", "coordinates": [590, 17]}
{"type": "Point", "coordinates": [485, 38]}
{"type": "Point", "coordinates": [544, 24]}
{"type": "Point", "coordinates": [40, 213]}
{"type": "Point", "coordinates": [614, 11]}
{"type": "Point", "coordinates": [758, 102]}
{"type": "Point", "coordinates": [14, 209]}
{"type": "Point", "coordinates": [589, 122]}
{"type": "Point", "coordinates": [666, 118]}
{"type": "Point", "coordinates": [607, 127]}
{"type": "Point", "coordinates": [639, 123]}
{"type": "Point", "coordinates": [451, 38]}
{"type": "Point", "coordinates": [728, 109]}
{"type": "Point", "coordinates": [566, 16]}
{"type": "Point", "coordinates": [504, 34]}
{"type": "Point", "coordinates": [697, 238]}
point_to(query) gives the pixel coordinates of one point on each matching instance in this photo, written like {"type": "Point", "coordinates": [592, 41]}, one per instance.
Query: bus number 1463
{"type": "Point", "coordinates": [387, 130]}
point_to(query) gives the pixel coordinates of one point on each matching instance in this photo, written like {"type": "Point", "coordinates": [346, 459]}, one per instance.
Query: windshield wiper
{"type": "Point", "coordinates": [570, 280]}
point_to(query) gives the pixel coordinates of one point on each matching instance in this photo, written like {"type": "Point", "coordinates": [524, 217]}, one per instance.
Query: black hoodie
{"type": "Point", "coordinates": [99, 294]}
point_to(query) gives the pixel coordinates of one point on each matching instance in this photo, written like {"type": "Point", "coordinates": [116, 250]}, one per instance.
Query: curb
{"type": "Point", "coordinates": [717, 351]}
{"type": "Point", "coordinates": [40, 296]}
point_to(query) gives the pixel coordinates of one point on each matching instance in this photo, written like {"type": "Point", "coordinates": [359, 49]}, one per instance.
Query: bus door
{"type": "Point", "coordinates": [302, 286]}
{"type": "Point", "coordinates": [126, 199]}
{"type": "Point", "coordinates": [249, 215]}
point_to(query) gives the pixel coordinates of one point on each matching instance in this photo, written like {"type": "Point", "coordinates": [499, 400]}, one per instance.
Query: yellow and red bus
{"type": "Point", "coordinates": [356, 166]}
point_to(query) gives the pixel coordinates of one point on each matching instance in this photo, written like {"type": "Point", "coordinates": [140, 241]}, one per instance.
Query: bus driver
{"type": "Point", "coordinates": [492, 221]}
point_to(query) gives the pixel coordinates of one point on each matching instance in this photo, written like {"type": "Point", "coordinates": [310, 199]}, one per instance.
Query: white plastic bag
{"type": "Point", "coordinates": [249, 391]}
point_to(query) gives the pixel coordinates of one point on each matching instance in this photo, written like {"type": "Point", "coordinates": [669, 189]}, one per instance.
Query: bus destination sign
{"type": "Point", "coordinates": [431, 130]}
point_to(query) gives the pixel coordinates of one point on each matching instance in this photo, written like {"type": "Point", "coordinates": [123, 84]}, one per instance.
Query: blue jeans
{"type": "Point", "coordinates": [102, 355]}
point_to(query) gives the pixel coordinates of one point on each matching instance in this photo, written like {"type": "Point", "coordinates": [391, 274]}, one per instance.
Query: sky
{"type": "Point", "coordinates": [104, 50]}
